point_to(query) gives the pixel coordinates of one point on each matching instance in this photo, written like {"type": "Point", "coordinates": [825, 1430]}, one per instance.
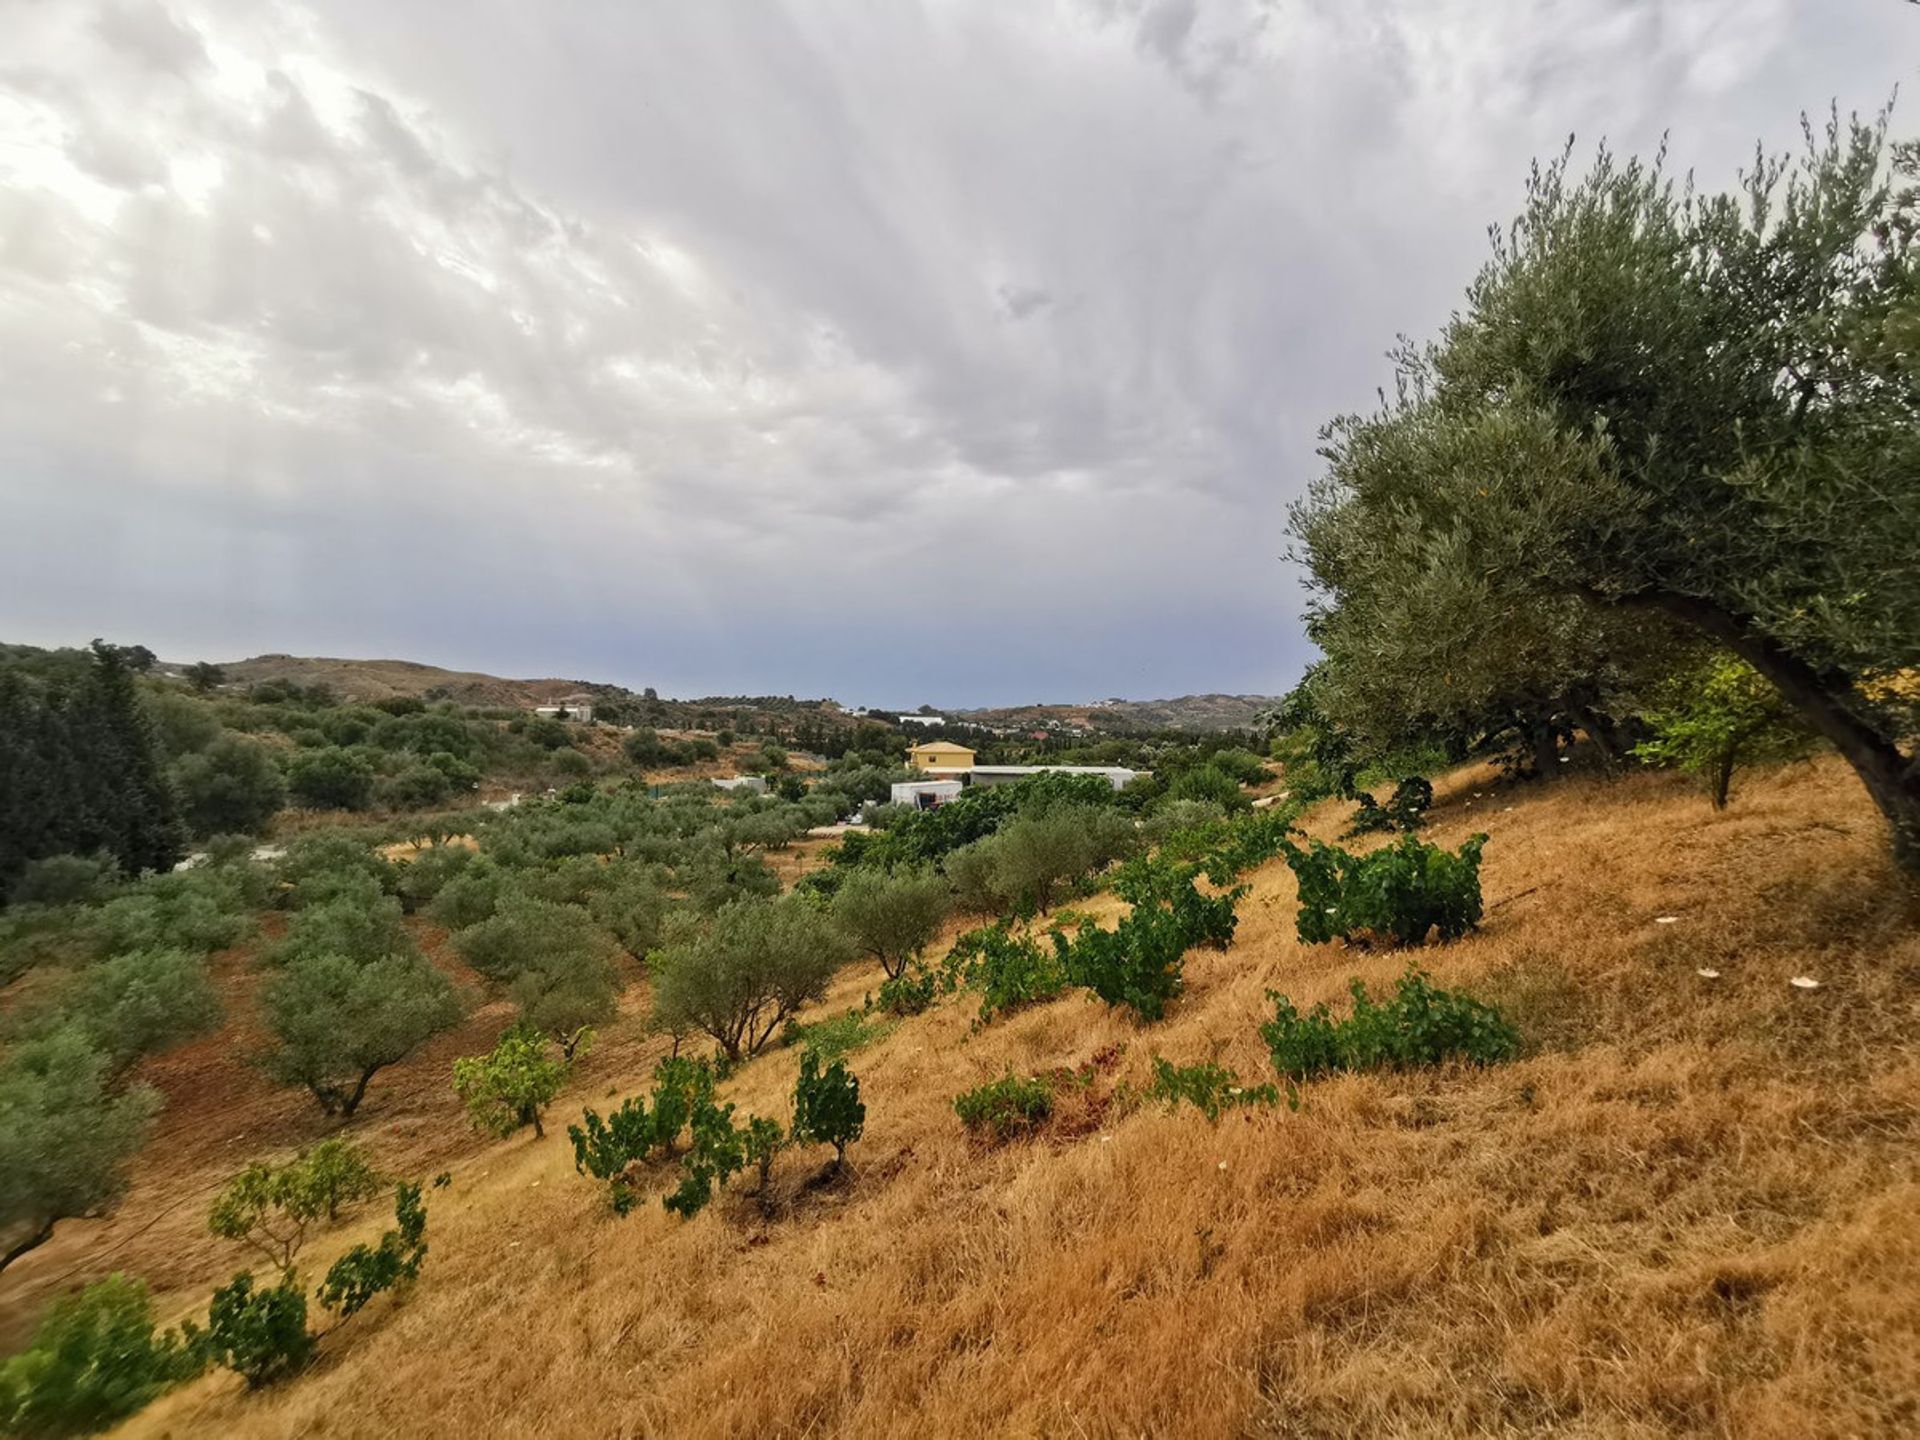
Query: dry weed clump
{"type": "Point", "coordinates": [1686, 1208]}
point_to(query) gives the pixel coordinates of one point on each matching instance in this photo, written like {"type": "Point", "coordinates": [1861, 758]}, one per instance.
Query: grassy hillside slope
{"type": "Point", "coordinates": [1689, 1211]}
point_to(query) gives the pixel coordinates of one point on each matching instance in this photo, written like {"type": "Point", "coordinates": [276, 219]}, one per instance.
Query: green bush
{"type": "Point", "coordinates": [1402, 891]}
{"type": "Point", "coordinates": [259, 1334]}
{"type": "Point", "coordinates": [330, 779]}
{"type": "Point", "coordinates": [95, 1359]}
{"type": "Point", "coordinates": [835, 1037]}
{"type": "Point", "coordinates": [1010, 972]}
{"type": "Point", "coordinates": [1405, 811]}
{"type": "Point", "coordinates": [419, 879]}
{"type": "Point", "coordinates": [718, 1152]}
{"type": "Point", "coordinates": [911, 993]}
{"type": "Point", "coordinates": [367, 1270]}
{"type": "Point", "coordinates": [1005, 1107]}
{"type": "Point", "coordinates": [1139, 962]}
{"type": "Point", "coordinates": [232, 785]}
{"type": "Point", "coordinates": [605, 1149]}
{"type": "Point", "coordinates": [1211, 784]}
{"type": "Point", "coordinates": [1421, 1025]}
{"type": "Point", "coordinates": [67, 880]}
{"type": "Point", "coordinates": [827, 1107]}
{"type": "Point", "coordinates": [1213, 1089]}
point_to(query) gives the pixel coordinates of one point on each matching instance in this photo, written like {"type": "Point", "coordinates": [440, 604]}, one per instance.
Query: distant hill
{"type": "Point", "coordinates": [1188, 712]}
{"type": "Point", "coordinates": [380, 679]}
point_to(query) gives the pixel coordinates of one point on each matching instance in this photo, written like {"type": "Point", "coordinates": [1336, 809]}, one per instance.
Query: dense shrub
{"type": "Point", "coordinates": [835, 1037]}
{"type": "Point", "coordinates": [1005, 1107]}
{"type": "Point", "coordinates": [1139, 963]}
{"type": "Point", "coordinates": [1421, 1025]}
{"type": "Point", "coordinates": [231, 786]}
{"type": "Point", "coordinates": [95, 1359]}
{"type": "Point", "coordinates": [1405, 811]}
{"type": "Point", "coordinates": [1208, 783]}
{"type": "Point", "coordinates": [269, 1208]}
{"type": "Point", "coordinates": [1009, 971]}
{"type": "Point", "coordinates": [605, 1149]}
{"type": "Point", "coordinates": [508, 1088]}
{"type": "Point", "coordinates": [67, 880]}
{"type": "Point", "coordinates": [1400, 891]}
{"type": "Point", "coordinates": [827, 1107]}
{"type": "Point", "coordinates": [911, 993]}
{"type": "Point", "coordinates": [330, 779]}
{"type": "Point", "coordinates": [718, 1151]}
{"type": "Point", "coordinates": [259, 1334]}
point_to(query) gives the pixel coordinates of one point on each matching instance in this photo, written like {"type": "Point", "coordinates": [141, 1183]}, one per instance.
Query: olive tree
{"type": "Point", "coordinates": [337, 1022]}
{"type": "Point", "coordinates": [892, 917]}
{"type": "Point", "coordinates": [65, 1136]}
{"type": "Point", "coordinates": [1701, 412]}
{"type": "Point", "coordinates": [755, 964]}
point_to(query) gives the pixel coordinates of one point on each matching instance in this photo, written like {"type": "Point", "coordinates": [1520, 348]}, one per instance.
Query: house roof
{"type": "Point", "coordinates": [944, 747]}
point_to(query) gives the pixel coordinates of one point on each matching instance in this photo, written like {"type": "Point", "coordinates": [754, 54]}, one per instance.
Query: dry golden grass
{"type": "Point", "coordinates": [1690, 1211]}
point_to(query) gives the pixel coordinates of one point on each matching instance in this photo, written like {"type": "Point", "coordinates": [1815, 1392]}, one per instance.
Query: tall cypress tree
{"type": "Point", "coordinates": [80, 771]}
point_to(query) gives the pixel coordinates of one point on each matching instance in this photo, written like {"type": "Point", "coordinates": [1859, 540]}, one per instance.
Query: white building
{"type": "Point", "coordinates": [752, 784]}
{"type": "Point", "coordinates": [925, 794]}
{"type": "Point", "coordinates": [570, 707]}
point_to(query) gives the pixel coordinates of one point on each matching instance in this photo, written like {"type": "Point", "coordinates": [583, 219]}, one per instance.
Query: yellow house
{"type": "Point", "coordinates": [940, 755]}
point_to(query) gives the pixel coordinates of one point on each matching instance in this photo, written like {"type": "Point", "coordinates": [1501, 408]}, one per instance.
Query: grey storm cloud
{"type": "Point", "coordinates": [942, 351]}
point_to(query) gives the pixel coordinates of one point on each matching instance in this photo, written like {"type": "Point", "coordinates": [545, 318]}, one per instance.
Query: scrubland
{"type": "Point", "coordinates": [1688, 1208]}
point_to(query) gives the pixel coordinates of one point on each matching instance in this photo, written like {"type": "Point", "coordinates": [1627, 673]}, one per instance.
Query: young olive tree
{"type": "Point", "coordinates": [269, 1208]}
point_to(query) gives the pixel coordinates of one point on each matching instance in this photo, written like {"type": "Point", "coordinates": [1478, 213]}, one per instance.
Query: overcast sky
{"type": "Point", "coordinates": [957, 352]}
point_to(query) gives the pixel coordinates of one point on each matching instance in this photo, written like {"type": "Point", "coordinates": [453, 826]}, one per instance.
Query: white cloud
{"type": "Point", "coordinates": [713, 345]}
